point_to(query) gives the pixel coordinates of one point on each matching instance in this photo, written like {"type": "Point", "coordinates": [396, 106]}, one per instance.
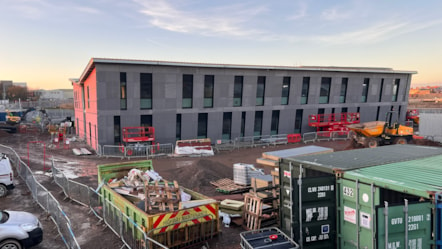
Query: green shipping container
{"type": "Point", "coordinates": [389, 206]}
{"type": "Point", "coordinates": [308, 204]}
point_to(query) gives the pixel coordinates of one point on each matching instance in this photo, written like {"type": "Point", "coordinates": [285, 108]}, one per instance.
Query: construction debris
{"type": "Point", "coordinates": [227, 186]}
{"type": "Point", "coordinates": [151, 193]}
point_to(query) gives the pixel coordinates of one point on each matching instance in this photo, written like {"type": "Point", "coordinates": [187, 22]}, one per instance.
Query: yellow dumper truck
{"type": "Point", "coordinates": [376, 133]}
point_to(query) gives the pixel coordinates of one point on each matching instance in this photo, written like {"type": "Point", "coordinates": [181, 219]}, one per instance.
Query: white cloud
{"type": "Point", "coordinates": [210, 21]}
{"type": "Point", "coordinates": [300, 12]}
{"type": "Point", "coordinates": [37, 9]}
{"type": "Point", "coordinates": [375, 33]}
{"type": "Point", "coordinates": [333, 14]}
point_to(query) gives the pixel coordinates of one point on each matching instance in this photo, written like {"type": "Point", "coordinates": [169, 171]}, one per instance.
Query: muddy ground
{"type": "Point", "coordinates": [191, 172]}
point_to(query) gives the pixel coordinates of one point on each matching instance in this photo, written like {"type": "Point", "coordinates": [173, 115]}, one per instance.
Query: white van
{"type": "Point", "coordinates": [6, 175]}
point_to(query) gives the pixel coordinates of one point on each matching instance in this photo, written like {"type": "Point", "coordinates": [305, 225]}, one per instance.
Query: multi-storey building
{"type": "Point", "coordinates": [222, 101]}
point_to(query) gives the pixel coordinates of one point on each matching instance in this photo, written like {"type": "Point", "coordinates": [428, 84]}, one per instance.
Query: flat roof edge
{"type": "Point", "coordinates": [94, 61]}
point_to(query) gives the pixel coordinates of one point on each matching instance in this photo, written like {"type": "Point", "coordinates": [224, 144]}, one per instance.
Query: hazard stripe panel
{"type": "Point", "coordinates": [182, 218]}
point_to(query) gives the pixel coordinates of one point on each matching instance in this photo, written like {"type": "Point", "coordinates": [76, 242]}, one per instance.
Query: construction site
{"type": "Point", "coordinates": [210, 195]}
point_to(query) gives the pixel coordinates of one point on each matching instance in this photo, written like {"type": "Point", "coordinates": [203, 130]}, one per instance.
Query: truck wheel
{"type": "Point", "coordinates": [3, 192]}
{"type": "Point", "coordinates": [400, 140]}
{"type": "Point", "coordinates": [372, 143]}
{"type": "Point", "coordinates": [10, 244]}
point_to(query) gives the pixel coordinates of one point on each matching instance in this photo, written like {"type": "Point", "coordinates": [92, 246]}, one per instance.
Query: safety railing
{"type": "Point", "coordinates": [136, 150]}
{"type": "Point", "coordinates": [43, 198]}
{"type": "Point", "coordinates": [325, 136]}
{"type": "Point", "coordinates": [157, 150]}
{"type": "Point", "coordinates": [224, 145]}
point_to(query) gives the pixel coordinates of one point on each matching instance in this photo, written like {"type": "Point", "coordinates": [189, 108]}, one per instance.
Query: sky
{"type": "Point", "coordinates": [46, 42]}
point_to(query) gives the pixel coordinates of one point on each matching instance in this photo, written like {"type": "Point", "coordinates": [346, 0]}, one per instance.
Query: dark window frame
{"type": "Point", "coordinates": [123, 91]}
{"type": "Point", "coordinates": [146, 89]}
{"type": "Point", "coordinates": [187, 102]}
{"type": "Point", "coordinates": [209, 84]}
{"type": "Point", "coordinates": [285, 91]}
{"type": "Point", "coordinates": [260, 90]}
{"type": "Point", "coordinates": [238, 90]}
{"type": "Point", "coordinates": [305, 90]}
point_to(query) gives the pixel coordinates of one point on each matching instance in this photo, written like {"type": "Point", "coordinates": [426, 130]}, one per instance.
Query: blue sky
{"type": "Point", "coordinates": [46, 42]}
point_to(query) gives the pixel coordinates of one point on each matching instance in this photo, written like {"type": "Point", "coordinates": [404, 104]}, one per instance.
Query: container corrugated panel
{"type": "Point", "coordinates": [326, 165]}
{"type": "Point", "coordinates": [420, 177]}
{"type": "Point", "coordinates": [363, 193]}
{"type": "Point", "coordinates": [360, 158]}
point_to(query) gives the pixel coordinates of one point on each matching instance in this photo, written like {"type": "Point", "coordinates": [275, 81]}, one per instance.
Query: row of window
{"type": "Point", "coordinates": [146, 90]}
{"type": "Point", "coordinates": [202, 124]}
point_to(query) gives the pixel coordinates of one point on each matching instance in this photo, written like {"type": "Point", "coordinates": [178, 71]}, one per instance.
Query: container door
{"type": "Point", "coordinates": [308, 210]}
{"type": "Point", "coordinates": [356, 208]}
{"type": "Point", "coordinates": [404, 226]}
{"type": "Point", "coordinates": [439, 221]}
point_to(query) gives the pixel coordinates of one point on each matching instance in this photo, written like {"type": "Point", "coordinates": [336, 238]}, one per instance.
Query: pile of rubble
{"type": "Point", "coordinates": [149, 191]}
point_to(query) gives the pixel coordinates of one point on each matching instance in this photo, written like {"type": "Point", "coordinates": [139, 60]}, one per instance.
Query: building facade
{"type": "Point", "coordinates": [219, 101]}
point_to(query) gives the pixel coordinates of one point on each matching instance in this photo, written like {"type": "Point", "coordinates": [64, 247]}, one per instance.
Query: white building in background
{"type": "Point", "coordinates": [56, 94]}
{"type": "Point", "coordinates": [21, 84]}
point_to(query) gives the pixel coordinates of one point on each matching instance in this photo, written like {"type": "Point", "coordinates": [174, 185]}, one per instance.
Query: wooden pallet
{"type": "Point", "coordinates": [228, 186]}
{"type": "Point", "coordinates": [257, 213]}
{"type": "Point", "coordinates": [162, 196]}
{"type": "Point", "coordinates": [252, 212]}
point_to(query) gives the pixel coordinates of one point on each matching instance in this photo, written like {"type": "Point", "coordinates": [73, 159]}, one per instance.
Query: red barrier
{"type": "Point", "coordinates": [294, 138]}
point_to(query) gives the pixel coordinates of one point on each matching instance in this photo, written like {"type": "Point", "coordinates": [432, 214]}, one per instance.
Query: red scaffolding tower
{"type": "Point", "coordinates": [333, 121]}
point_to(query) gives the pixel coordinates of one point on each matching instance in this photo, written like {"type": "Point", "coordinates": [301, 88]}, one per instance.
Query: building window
{"type": "Point", "coordinates": [344, 109]}
{"type": "Point", "coordinates": [117, 130]}
{"type": "Point", "coordinates": [178, 127]}
{"type": "Point", "coordinates": [260, 90]}
{"type": "Point", "coordinates": [88, 100]}
{"type": "Point", "coordinates": [257, 130]}
{"type": "Point", "coordinates": [145, 91]}
{"type": "Point", "coordinates": [243, 123]}
{"type": "Point", "coordinates": [324, 94]}
{"type": "Point", "coordinates": [90, 134]}
{"type": "Point", "coordinates": [146, 120]}
{"type": "Point", "coordinates": [395, 89]}
{"type": "Point", "coordinates": [343, 94]}
{"type": "Point", "coordinates": [275, 122]}
{"type": "Point", "coordinates": [285, 91]}
{"type": "Point", "coordinates": [321, 111]}
{"type": "Point", "coordinates": [237, 91]}
{"type": "Point", "coordinates": [298, 121]}
{"type": "Point", "coordinates": [202, 125]}
{"type": "Point", "coordinates": [123, 96]}
{"type": "Point", "coordinates": [187, 90]}
{"type": "Point", "coordinates": [227, 125]}
{"type": "Point", "coordinates": [377, 113]}
{"type": "Point", "coordinates": [380, 91]}
{"type": "Point", "coordinates": [365, 86]}
{"type": "Point", "coordinates": [304, 91]}
{"type": "Point", "coordinates": [209, 81]}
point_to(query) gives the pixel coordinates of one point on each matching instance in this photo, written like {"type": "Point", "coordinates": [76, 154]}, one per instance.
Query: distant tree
{"type": "Point", "coordinates": [16, 92]}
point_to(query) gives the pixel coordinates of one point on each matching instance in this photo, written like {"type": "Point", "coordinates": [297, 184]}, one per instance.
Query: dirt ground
{"type": "Point", "coordinates": [191, 172]}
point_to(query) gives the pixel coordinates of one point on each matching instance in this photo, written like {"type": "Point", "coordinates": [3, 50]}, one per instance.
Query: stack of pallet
{"type": "Point", "coordinates": [261, 205]}
{"type": "Point", "coordinates": [161, 196]}
{"type": "Point", "coordinates": [257, 213]}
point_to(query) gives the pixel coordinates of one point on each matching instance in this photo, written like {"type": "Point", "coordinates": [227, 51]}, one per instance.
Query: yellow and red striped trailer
{"type": "Point", "coordinates": [172, 229]}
